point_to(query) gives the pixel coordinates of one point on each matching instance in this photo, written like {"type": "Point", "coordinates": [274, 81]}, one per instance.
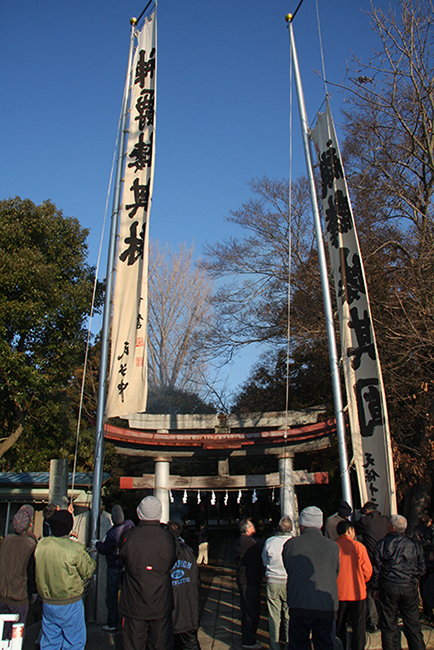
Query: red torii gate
{"type": "Point", "coordinates": [163, 437]}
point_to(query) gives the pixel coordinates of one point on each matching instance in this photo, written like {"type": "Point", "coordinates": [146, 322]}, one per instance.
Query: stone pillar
{"type": "Point", "coordinates": [287, 490]}
{"type": "Point", "coordinates": [58, 483]}
{"type": "Point", "coordinates": [161, 491]}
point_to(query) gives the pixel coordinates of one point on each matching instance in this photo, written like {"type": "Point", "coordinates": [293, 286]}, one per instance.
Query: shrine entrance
{"type": "Point", "coordinates": [223, 437]}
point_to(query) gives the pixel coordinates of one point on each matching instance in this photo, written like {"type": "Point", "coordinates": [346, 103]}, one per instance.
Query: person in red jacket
{"type": "Point", "coordinates": [355, 570]}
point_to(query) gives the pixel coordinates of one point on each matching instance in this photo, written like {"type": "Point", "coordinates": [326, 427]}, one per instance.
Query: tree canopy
{"type": "Point", "coordinates": [45, 297]}
{"type": "Point", "coordinates": [389, 160]}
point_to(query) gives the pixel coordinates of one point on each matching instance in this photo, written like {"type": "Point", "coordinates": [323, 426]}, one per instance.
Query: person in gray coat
{"type": "Point", "coordinates": [312, 564]}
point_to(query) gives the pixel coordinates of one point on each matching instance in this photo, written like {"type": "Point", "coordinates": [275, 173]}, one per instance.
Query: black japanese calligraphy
{"type": "Point", "coordinates": [363, 330]}
{"type": "Point", "coordinates": [122, 386]}
{"type": "Point", "coordinates": [135, 245]}
{"type": "Point", "coordinates": [338, 216]}
{"type": "Point", "coordinates": [352, 284]}
{"type": "Point", "coordinates": [141, 197]}
{"type": "Point", "coordinates": [126, 350]}
{"type": "Point", "coordinates": [142, 153]}
{"type": "Point", "coordinates": [145, 67]}
{"type": "Point", "coordinates": [371, 475]}
{"type": "Point", "coordinates": [145, 109]}
{"type": "Point", "coordinates": [330, 167]}
{"type": "Point", "coordinates": [370, 414]}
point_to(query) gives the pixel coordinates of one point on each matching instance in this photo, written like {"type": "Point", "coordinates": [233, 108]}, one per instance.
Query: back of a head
{"type": "Point", "coordinates": [370, 506]}
{"type": "Point", "coordinates": [61, 523]}
{"type": "Point", "coordinates": [244, 526]}
{"type": "Point", "coordinates": [117, 515]}
{"type": "Point", "coordinates": [175, 528]}
{"type": "Point", "coordinates": [285, 525]}
{"type": "Point", "coordinates": [344, 509]}
{"type": "Point", "coordinates": [343, 527]}
{"type": "Point", "coordinates": [311, 517]}
{"type": "Point", "coordinates": [149, 509]}
{"type": "Point", "coordinates": [23, 519]}
{"type": "Point", "coordinates": [399, 523]}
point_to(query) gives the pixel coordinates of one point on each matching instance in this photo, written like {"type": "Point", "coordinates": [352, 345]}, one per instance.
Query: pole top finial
{"type": "Point", "coordinates": [288, 18]}
{"type": "Point", "coordinates": [133, 21]}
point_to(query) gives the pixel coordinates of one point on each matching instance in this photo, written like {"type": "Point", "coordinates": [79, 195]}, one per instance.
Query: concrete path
{"type": "Point", "coordinates": [220, 627]}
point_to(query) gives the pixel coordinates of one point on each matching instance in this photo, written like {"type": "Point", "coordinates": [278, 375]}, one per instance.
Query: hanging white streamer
{"type": "Point", "coordinates": [184, 497]}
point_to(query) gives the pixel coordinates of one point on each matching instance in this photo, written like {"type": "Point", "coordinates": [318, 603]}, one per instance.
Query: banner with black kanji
{"type": "Point", "coordinates": [367, 406]}
{"type": "Point", "coordinates": [127, 392]}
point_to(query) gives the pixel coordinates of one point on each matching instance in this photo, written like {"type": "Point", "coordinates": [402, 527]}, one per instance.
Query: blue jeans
{"type": "Point", "coordinates": [63, 627]}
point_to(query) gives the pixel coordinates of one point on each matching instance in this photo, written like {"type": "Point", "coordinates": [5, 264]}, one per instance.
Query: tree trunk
{"type": "Point", "coordinates": [11, 440]}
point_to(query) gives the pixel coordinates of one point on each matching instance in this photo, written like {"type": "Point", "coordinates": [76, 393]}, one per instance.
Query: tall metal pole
{"type": "Point", "coordinates": [105, 336]}
{"type": "Point", "coordinates": [328, 311]}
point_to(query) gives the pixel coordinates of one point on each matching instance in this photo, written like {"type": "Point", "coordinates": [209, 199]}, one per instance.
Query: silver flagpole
{"type": "Point", "coordinates": [105, 336]}
{"type": "Point", "coordinates": [328, 311]}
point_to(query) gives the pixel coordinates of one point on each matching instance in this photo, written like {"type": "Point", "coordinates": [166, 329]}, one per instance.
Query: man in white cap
{"type": "Point", "coordinates": [148, 554]}
{"type": "Point", "coordinates": [312, 564]}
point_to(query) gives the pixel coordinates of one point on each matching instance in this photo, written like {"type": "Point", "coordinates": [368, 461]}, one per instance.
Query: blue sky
{"type": "Point", "coordinates": [222, 103]}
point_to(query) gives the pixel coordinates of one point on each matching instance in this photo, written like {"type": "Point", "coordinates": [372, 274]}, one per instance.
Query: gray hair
{"type": "Point", "coordinates": [399, 523]}
{"type": "Point", "coordinates": [285, 525]}
{"type": "Point", "coordinates": [244, 525]}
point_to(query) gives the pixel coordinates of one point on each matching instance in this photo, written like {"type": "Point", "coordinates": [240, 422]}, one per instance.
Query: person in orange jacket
{"type": "Point", "coordinates": [355, 570]}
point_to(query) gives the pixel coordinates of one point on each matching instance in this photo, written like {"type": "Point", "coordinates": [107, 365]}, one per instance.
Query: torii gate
{"type": "Point", "coordinates": [163, 437]}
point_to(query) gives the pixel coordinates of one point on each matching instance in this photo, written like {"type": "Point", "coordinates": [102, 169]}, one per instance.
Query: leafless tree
{"type": "Point", "coordinates": [180, 317]}
{"type": "Point", "coordinates": [252, 305]}
{"type": "Point", "coordinates": [389, 155]}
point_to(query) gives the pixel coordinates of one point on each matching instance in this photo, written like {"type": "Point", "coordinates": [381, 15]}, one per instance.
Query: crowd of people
{"type": "Point", "coordinates": [365, 572]}
{"type": "Point", "coordinates": [362, 572]}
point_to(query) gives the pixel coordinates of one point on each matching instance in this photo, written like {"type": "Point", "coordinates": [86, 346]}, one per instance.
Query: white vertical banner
{"type": "Point", "coordinates": [127, 392]}
{"type": "Point", "coordinates": [367, 406]}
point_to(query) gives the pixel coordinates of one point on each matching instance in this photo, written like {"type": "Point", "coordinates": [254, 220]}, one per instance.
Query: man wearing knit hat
{"type": "Point", "coordinates": [312, 564]}
{"type": "Point", "coordinates": [343, 514]}
{"type": "Point", "coordinates": [109, 547]}
{"type": "Point", "coordinates": [61, 566]}
{"type": "Point", "coordinates": [17, 568]}
{"type": "Point", "coordinates": [148, 554]}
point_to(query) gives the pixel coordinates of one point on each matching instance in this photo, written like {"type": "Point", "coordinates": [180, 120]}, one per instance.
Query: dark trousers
{"type": "Point", "coordinates": [152, 635]}
{"type": "Point", "coordinates": [21, 610]}
{"type": "Point", "coordinates": [323, 633]}
{"type": "Point", "coordinates": [187, 641]}
{"type": "Point", "coordinates": [371, 607]}
{"type": "Point", "coordinates": [355, 611]}
{"type": "Point", "coordinates": [250, 602]}
{"type": "Point", "coordinates": [401, 600]}
{"type": "Point", "coordinates": [111, 600]}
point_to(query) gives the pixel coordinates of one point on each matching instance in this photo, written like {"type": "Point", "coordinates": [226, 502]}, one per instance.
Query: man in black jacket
{"type": "Point", "coordinates": [249, 572]}
{"type": "Point", "coordinates": [185, 584]}
{"type": "Point", "coordinates": [146, 604]}
{"type": "Point", "coordinates": [398, 564]}
{"type": "Point", "coordinates": [370, 528]}
{"type": "Point", "coordinates": [109, 547]}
